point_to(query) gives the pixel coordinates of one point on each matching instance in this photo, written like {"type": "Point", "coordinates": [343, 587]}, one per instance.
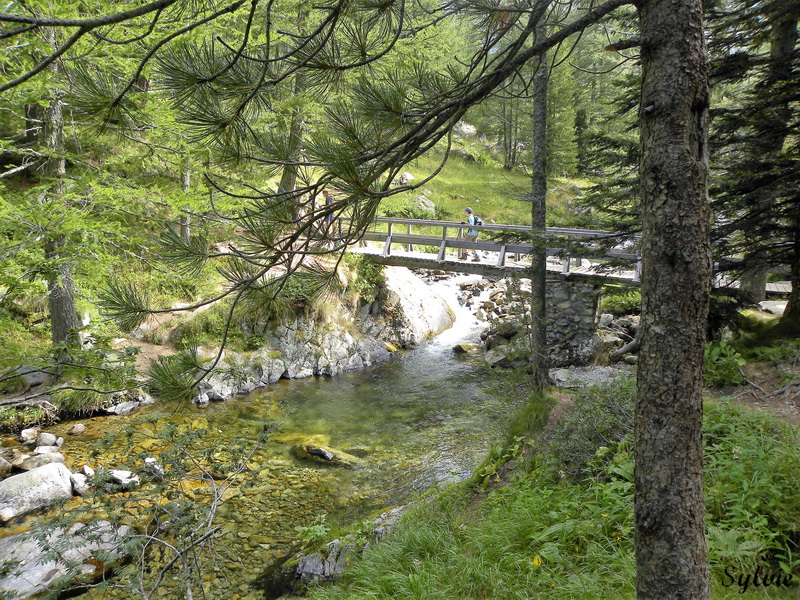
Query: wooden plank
{"type": "Point", "coordinates": [501, 260]}
{"type": "Point", "coordinates": [442, 248]}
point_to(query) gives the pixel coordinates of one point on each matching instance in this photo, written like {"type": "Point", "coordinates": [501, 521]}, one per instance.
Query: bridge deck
{"type": "Point", "coordinates": [487, 265]}
{"type": "Point", "coordinates": [395, 248]}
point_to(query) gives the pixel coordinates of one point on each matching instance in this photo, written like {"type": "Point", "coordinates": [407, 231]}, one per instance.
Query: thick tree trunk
{"type": "Point", "coordinates": [669, 509]}
{"type": "Point", "coordinates": [538, 336]}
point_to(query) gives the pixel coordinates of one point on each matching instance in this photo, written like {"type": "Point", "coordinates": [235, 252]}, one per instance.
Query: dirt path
{"type": "Point", "coordinates": [774, 387]}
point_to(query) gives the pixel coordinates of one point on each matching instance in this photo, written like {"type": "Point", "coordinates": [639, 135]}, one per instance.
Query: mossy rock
{"type": "Point", "coordinates": [325, 455]}
{"type": "Point", "coordinates": [464, 348]}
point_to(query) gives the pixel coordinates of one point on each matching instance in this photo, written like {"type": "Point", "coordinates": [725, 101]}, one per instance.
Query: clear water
{"type": "Point", "coordinates": [418, 420]}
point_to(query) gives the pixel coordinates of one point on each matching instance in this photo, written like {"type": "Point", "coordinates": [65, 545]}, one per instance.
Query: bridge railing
{"type": "Point", "coordinates": [450, 235]}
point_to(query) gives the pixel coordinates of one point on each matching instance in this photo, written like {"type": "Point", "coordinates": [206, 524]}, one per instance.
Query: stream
{"type": "Point", "coordinates": [421, 419]}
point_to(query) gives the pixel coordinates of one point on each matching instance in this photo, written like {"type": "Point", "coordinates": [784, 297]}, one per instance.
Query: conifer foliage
{"type": "Point", "coordinates": [756, 184]}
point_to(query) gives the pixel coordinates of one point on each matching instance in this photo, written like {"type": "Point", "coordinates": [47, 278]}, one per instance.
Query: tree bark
{"type": "Point", "coordinates": [60, 286]}
{"type": "Point", "coordinates": [671, 555]}
{"type": "Point", "coordinates": [538, 335]}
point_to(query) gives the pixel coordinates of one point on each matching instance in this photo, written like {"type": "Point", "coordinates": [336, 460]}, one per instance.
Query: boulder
{"type": "Point", "coordinates": [5, 467]}
{"type": "Point", "coordinates": [464, 348]}
{"type": "Point", "coordinates": [325, 455]}
{"type": "Point", "coordinates": [425, 205]}
{"type": "Point", "coordinates": [46, 439]}
{"type": "Point", "coordinates": [46, 449]}
{"type": "Point", "coordinates": [411, 313]}
{"type": "Point", "coordinates": [775, 307]}
{"type": "Point", "coordinates": [80, 484]}
{"type": "Point", "coordinates": [124, 479]}
{"type": "Point", "coordinates": [35, 489]}
{"type": "Point", "coordinates": [17, 458]}
{"type": "Point", "coordinates": [123, 408]}
{"type": "Point", "coordinates": [92, 549]}
{"type": "Point", "coordinates": [39, 460]}
{"type": "Point", "coordinates": [28, 436]}
{"type": "Point", "coordinates": [77, 429]}
{"type": "Point", "coordinates": [33, 376]}
{"type": "Point", "coordinates": [155, 469]}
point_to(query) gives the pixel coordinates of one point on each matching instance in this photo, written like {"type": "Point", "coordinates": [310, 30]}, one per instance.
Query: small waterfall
{"type": "Point", "coordinates": [466, 328]}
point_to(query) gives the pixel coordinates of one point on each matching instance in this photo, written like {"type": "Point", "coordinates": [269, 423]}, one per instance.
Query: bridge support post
{"type": "Point", "coordinates": [501, 260]}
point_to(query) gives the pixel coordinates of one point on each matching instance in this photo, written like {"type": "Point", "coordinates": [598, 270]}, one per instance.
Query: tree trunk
{"type": "Point", "coordinates": [186, 183]}
{"type": "Point", "coordinates": [60, 287]}
{"type": "Point", "coordinates": [790, 321]}
{"type": "Point", "coordinates": [753, 283]}
{"type": "Point", "coordinates": [671, 556]}
{"type": "Point", "coordinates": [289, 176]}
{"type": "Point", "coordinates": [538, 336]}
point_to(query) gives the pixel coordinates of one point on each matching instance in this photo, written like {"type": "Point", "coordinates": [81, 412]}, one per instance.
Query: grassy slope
{"type": "Point", "coordinates": [539, 534]}
{"type": "Point", "coordinates": [492, 192]}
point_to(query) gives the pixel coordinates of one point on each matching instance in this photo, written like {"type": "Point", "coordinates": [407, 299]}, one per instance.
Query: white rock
{"type": "Point", "coordinates": [46, 439]}
{"type": "Point", "coordinates": [123, 478]}
{"type": "Point", "coordinates": [201, 400]}
{"type": "Point", "coordinates": [776, 307]}
{"type": "Point", "coordinates": [145, 399]}
{"type": "Point", "coordinates": [76, 547]}
{"type": "Point", "coordinates": [80, 484]}
{"type": "Point", "coordinates": [39, 460]}
{"type": "Point", "coordinates": [35, 489]}
{"type": "Point", "coordinates": [60, 442]}
{"type": "Point", "coordinates": [87, 470]}
{"type": "Point", "coordinates": [123, 408]}
{"type": "Point", "coordinates": [29, 435]}
{"type": "Point", "coordinates": [77, 429]}
{"type": "Point", "coordinates": [151, 464]}
{"type": "Point", "coordinates": [46, 449]}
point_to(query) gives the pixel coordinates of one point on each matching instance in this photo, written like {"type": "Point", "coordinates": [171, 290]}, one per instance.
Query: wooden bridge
{"type": "Point", "coordinates": [429, 244]}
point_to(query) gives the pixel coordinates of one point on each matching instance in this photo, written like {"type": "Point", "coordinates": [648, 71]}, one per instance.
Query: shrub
{"type": "Point", "coordinates": [752, 478]}
{"type": "Point", "coordinates": [600, 417]}
{"type": "Point", "coordinates": [624, 303]}
{"type": "Point", "coordinates": [366, 279]}
{"type": "Point", "coordinates": [722, 365]}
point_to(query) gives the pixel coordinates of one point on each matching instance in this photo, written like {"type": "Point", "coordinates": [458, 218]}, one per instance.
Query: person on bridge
{"type": "Point", "coordinates": [472, 235]}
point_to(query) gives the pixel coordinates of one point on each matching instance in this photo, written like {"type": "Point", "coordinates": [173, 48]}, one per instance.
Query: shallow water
{"type": "Point", "coordinates": [418, 420]}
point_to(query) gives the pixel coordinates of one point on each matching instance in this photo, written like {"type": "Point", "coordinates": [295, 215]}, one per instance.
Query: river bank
{"type": "Point", "coordinates": [419, 419]}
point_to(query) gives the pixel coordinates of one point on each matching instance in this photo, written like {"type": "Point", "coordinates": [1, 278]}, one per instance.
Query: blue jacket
{"type": "Point", "coordinates": [471, 221]}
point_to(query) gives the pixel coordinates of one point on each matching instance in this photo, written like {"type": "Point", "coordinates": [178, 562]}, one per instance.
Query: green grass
{"type": "Point", "coordinates": [544, 535]}
{"type": "Point", "coordinates": [493, 193]}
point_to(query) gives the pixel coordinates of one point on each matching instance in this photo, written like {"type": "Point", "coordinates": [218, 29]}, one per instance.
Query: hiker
{"type": "Point", "coordinates": [472, 235]}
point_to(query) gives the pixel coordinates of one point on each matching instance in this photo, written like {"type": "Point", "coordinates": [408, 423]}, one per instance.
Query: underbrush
{"type": "Point", "coordinates": [557, 531]}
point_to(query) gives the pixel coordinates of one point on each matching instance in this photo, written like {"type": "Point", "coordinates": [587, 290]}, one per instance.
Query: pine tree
{"type": "Point", "coordinates": [756, 194]}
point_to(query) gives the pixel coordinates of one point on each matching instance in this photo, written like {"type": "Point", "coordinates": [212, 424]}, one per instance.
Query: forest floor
{"type": "Point", "coordinates": [772, 387]}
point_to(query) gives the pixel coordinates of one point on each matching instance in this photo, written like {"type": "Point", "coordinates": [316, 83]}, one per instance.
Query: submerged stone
{"type": "Point", "coordinates": [325, 455]}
